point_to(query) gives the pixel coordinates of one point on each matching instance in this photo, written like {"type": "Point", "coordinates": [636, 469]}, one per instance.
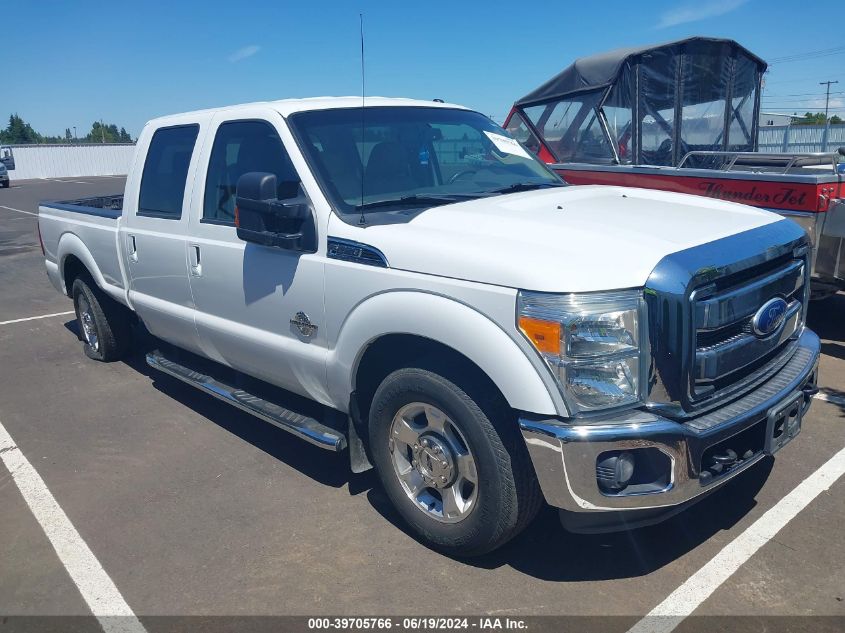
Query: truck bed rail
{"type": "Point", "coordinates": [102, 206]}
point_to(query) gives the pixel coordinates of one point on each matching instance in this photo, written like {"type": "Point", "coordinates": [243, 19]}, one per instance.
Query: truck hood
{"type": "Point", "coordinates": [570, 239]}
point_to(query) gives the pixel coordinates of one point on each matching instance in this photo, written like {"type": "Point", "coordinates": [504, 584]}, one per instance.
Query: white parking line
{"type": "Point", "coordinates": [97, 589]}
{"type": "Point", "coordinates": [34, 318]}
{"type": "Point", "coordinates": [18, 210]}
{"type": "Point", "coordinates": [832, 398]}
{"type": "Point", "coordinates": [667, 615]}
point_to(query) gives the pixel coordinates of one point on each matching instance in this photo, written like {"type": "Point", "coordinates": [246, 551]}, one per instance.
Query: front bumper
{"type": "Point", "coordinates": [565, 455]}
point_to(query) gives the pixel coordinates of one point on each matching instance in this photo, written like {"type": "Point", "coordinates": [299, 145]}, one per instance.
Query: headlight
{"type": "Point", "coordinates": [590, 341]}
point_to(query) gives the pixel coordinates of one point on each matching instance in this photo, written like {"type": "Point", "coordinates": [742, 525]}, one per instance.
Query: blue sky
{"type": "Point", "coordinates": [71, 63]}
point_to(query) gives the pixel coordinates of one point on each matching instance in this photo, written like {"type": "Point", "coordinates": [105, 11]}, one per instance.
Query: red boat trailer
{"type": "Point", "coordinates": [683, 117]}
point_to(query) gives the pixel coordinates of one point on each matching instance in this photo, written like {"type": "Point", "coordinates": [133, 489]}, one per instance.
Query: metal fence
{"type": "Point", "coordinates": [59, 161]}
{"type": "Point", "coordinates": [801, 138]}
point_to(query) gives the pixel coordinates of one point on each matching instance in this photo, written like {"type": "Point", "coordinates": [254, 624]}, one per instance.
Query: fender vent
{"type": "Point", "coordinates": [349, 251]}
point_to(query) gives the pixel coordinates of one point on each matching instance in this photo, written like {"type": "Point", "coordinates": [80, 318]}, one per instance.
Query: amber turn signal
{"type": "Point", "coordinates": [545, 335]}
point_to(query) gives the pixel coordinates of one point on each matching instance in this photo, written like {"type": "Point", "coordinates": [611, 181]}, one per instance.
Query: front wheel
{"type": "Point", "coordinates": [453, 464]}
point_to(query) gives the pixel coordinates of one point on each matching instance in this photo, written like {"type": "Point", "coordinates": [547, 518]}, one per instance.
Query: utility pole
{"type": "Point", "coordinates": [103, 131]}
{"type": "Point", "coordinates": [75, 140]}
{"type": "Point", "coordinates": [827, 98]}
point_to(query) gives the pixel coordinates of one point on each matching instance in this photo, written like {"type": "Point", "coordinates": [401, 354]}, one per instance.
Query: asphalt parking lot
{"type": "Point", "coordinates": [194, 508]}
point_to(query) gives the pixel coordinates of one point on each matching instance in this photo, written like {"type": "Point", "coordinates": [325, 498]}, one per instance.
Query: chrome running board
{"type": "Point", "coordinates": [304, 427]}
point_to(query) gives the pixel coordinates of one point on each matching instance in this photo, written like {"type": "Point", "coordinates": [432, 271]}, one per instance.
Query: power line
{"type": "Point", "coordinates": [800, 102]}
{"type": "Point", "coordinates": [807, 55]}
{"type": "Point", "coordinates": [805, 94]}
{"type": "Point", "coordinates": [817, 97]}
{"type": "Point", "coordinates": [792, 81]}
{"type": "Point", "coordinates": [773, 109]}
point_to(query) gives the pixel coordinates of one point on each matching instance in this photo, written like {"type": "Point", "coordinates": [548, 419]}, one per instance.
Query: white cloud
{"type": "Point", "coordinates": [243, 53]}
{"type": "Point", "coordinates": [816, 104]}
{"type": "Point", "coordinates": [699, 11]}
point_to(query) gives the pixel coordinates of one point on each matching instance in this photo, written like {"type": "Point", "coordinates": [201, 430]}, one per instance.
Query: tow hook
{"type": "Point", "coordinates": [810, 389]}
{"type": "Point", "coordinates": [725, 459]}
{"type": "Point", "coordinates": [721, 463]}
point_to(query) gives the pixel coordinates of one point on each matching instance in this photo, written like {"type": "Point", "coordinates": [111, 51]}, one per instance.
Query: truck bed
{"type": "Point", "coordinates": [87, 229]}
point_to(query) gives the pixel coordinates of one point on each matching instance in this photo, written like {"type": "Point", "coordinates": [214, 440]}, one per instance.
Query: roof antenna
{"type": "Point", "coordinates": [362, 220]}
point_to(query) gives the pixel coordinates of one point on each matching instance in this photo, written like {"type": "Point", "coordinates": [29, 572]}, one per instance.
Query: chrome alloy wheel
{"type": "Point", "coordinates": [433, 462]}
{"type": "Point", "coordinates": [86, 319]}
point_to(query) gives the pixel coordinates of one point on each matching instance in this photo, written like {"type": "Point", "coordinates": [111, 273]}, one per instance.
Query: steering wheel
{"type": "Point", "coordinates": [460, 174]}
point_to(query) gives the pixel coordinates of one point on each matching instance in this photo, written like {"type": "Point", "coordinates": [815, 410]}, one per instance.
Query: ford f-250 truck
{"type": "Point", "coordinates": [404, 281]}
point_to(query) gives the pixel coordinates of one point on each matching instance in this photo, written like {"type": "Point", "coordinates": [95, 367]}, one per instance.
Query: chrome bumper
{"type": "Point", "coordinates": [565, 455]}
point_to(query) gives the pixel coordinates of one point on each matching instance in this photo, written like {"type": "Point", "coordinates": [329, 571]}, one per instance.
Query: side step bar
{"type": "Point", "coordinates": [302, 426]}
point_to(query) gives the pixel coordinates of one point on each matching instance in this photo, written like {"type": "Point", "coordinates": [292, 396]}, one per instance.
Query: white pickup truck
{"type": "Point", "coordinates": [405, 282]}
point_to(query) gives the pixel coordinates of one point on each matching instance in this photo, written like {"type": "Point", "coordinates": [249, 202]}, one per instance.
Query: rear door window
{"type": "Point", "coordinates": [166, 172]}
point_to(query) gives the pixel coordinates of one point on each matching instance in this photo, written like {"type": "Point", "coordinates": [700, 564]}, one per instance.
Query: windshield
{"type": "Point", "coordinates": [407, 159]}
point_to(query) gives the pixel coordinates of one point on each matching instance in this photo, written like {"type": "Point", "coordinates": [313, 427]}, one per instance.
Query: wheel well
{"type": "Point", "coordinates": [395, 351]}
{"type": "Point", "coordinates": [72, 268]}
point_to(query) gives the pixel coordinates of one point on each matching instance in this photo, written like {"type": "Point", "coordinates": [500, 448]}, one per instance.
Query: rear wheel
{"type": "Point", "coordinates": [453, 464]}
{"type": "Point", "coordinates": [104, 326]}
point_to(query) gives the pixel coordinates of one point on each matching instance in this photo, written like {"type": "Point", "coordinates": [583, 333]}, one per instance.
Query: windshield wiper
{"type": "Point", "coordinates": [427, 199]}
{"type": "Point", "coordinates": [525, 186]}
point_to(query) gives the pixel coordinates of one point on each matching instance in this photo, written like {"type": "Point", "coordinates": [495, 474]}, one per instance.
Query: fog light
{"type": "Point", "coordinates": [614, 470]}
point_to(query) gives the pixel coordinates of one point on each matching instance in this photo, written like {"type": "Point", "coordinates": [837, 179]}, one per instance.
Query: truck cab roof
{"type": "Point", "coordinates": [286, 107]}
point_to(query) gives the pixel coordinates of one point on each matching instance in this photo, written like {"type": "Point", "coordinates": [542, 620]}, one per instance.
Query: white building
{"type": "Point", "coordinates": [776, 118]}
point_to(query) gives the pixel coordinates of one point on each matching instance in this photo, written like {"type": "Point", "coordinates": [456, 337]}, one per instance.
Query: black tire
{"type": "Point", "coordinates": [508, 495]}
{"type": "Point", "coordinates": [110, 321]}
{"type": "Point", "coordinates": [6, 184]}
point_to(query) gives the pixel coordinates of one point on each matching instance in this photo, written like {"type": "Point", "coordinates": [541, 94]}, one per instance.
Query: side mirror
{"type": "Point", "coordinates": [261, 217]}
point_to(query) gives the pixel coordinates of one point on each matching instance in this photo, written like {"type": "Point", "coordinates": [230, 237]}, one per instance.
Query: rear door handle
{"type": "Point", "coordinates": [133, 250]}
{"type": "Point", "coordinates": [196, 262]}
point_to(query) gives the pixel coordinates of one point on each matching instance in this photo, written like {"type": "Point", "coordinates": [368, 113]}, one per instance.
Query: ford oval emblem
{"type": "Point", "coordinates": [769, 317]}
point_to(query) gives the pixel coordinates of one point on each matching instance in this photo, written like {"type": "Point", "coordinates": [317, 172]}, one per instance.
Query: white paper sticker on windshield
{"type": "Point", "coordinates": [507, 145]}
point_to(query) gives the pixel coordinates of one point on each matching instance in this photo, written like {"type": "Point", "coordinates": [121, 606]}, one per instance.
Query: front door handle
{"type": "Point", "coordinates": [133, 249]}
{"type": "Point", "coordinates": [196, 262]}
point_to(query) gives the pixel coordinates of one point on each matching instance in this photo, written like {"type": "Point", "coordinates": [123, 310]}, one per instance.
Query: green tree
{"type": "Point", "coordinates": [19, 132]}
{"type": "Point", "coordinates": [835, 119]}
{"type": "Point", "coordinates": [107, 133]}
{"type": "Point", "coordinates": [816, 118]}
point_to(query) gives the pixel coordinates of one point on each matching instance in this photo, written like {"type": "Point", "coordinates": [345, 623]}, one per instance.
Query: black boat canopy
{"type": "Point", "coordinates": [647, 105]}
{"type": "Point", "coordinates": [600, 71]}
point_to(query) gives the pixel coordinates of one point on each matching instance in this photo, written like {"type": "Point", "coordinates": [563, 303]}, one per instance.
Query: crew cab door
{"type": "Point", "coordinates": [153, 238]}
{"type": "Point", "coordinates": [247, 294]}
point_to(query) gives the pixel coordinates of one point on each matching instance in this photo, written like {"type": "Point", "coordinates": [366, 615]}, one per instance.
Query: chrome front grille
{"type": "Point", "coordinates": [727, 352]}
{"type": "Point", "coordinates": [700, 304]}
